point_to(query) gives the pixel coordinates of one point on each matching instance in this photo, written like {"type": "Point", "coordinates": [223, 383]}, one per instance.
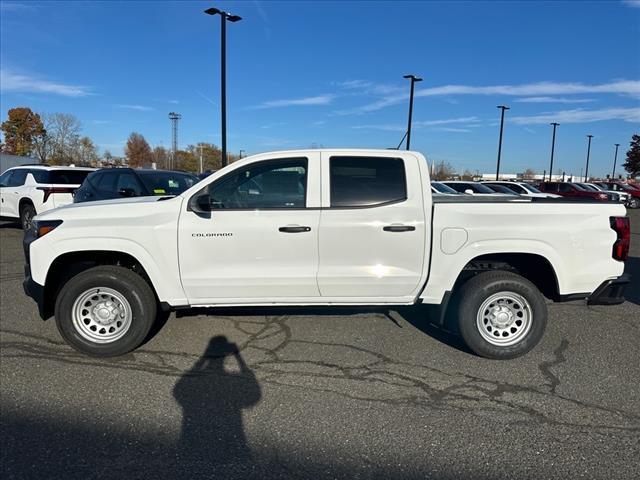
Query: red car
{"type": "Point", "coordinates": [572, 190]}
{"type": "Point", "coordinates": [632, 190]}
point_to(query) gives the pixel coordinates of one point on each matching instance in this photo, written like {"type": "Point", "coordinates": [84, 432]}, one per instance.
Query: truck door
{"type": "Point", "coordinates": [373, 235]}
{"type": "Point", "coordinates": [259, 243]}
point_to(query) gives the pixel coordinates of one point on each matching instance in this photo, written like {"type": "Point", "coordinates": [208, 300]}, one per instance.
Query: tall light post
{"type": "Point", "coordinates": [503, 108]}
{"type": "Point", "coordinates": [553, 146]}
{"type": "Point", "coordinates": [241, 152]}
{"type": "Point", "coordinates": [224, 16]}
{"type": "Point", "coordinates": [586, 170]}
{"type": "Point", "coordinates": [615, 158]}
{"type": "Point", "coordinates": [413, 79]}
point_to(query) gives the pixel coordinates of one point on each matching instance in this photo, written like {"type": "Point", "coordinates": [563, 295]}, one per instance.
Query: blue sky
{"type": "Point", "coordinates": [330, 74]}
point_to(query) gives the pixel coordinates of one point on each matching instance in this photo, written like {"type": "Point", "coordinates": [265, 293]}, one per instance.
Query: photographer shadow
{"type": "Point", "coordinates": [212, 399]}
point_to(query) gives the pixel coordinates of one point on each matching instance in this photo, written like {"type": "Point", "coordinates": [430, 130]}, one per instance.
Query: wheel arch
{"type": "Point", "coordinates": [68, 265]}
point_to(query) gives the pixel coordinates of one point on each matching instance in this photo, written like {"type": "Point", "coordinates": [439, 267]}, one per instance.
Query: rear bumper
{"type": "Point", "coordinates": [610, 292]}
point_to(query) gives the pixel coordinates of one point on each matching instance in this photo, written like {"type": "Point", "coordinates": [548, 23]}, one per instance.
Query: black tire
{"type": "Point", "coordinates": [481, 287]}
{"type": "Point", "coordinates": [27, 212]}
{"type": "Point", "coordinates": [131, 286]}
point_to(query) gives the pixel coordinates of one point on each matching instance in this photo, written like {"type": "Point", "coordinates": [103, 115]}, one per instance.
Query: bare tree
{"type": "Point", "coordinates": [529, 174]}
{"type": "Point", "coordinates": [443, 171]}
{"type": "Point", "coordinates": [63, 130]}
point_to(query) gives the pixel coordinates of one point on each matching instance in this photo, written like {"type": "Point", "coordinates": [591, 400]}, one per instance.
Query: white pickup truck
{"type": "Point", "coordinates": [324, 227]}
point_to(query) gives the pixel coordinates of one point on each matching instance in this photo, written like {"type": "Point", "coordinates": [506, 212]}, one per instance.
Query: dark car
{"type": "Point", "coordinates": [112, 183]}
{"type": "Point", "coordinates": [573, 190]}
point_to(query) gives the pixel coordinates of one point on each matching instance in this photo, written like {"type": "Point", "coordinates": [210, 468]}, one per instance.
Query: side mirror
{"type": "Point", "coordinates": [200, 203]}
{"type": "Point", "coordinates": [469, 191]}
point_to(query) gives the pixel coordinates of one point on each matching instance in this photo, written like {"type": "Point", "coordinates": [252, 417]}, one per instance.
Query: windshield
{"type": "Point", "coordinates": [588, 187]}
{"type": "Point", "coordinates": [167, 183]}
{"type": "Point", "coordinates": [502, 189]}
{"type": "Point", "coordinates": [531, 188]}
{"type": "Point", "coordinates": [580, 187]}
{"type": "Point", "coordinates": [628, 188]}
{"type": "Point", "coordinates": [442, 188]}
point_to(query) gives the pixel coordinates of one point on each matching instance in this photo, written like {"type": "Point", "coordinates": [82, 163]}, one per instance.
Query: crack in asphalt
{"type": "Point", "coordinates": [360, 374]}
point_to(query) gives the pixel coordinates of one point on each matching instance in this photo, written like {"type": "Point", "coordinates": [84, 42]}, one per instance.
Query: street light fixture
{"type": "Point", "coordinates": [503, 108]}
{"type": "Point", "coordinates": [413, 79]}
{"type": "Point", "coordinates": [553, 146]}
{"type": "Point", "coordinates": [586, 170]}
{"type": "Point", "coordinates": [224, 16]}
{"type": "Point", "coordinates": [615, 158]}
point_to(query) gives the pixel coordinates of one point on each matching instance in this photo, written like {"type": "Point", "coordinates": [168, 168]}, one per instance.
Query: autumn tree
{"type": "Point", "coordinates": [443, 171]}
{"type": "Point", "coordinates": [186, 161]}
{"type": "Point", "coordinates": [467, 175]}
{"type": "Point", "coordinates": [87, 153]}
{"type": "Point", "coordinates": [160, 156]}
{"type": "Point", "coordinates": [20, 130]}
{"type": "Point", "coordinates": [137, 151]}
{"type": "Point", "coordinates": [632, 164]}
{"type": "Point", "coordinates": [211, 155]}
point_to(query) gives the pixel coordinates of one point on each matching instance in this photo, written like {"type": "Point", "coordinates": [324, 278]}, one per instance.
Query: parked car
{"type": "Point", "coordinates": [438, 188]}
{"type": "Point", "coordinates": [572, 190]}
{"type": "Point", "coordinates": [521, 188]}
{"type": "Point", "coordinates": [205, 174]}
{"type": "Point", "coordinates": [623, 197]}
{"type": "Point", "coordinates": [634, 192]}
{"type": "Point", "coordinates": [112, 183]}
{"type": "Point", "coordinates": [501, 189]}
{"type": "Point", "coordinates": [28, 190]}
{"type": "Point", "coordinates": [472, 188]}
{"type": "Point", "coordinates": [323, 227]}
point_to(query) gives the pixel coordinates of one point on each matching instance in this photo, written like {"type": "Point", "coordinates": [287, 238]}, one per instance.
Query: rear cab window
{"type": "Point", "coordinates": [358, 182]}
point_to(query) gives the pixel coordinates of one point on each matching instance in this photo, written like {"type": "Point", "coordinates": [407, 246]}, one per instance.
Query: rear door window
{"type": "Point", "coordinates": [128, 185]}
{"type": "Point", "coordinates": [67, 177]}
{"type": "Point", "coordinates": [367, 181]}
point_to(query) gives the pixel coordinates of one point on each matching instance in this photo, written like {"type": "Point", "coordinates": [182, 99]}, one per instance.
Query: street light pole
{"type": "Point", "coordinates": [615, 158]}
{"type": "Point", "coordinates": [503, 108]}
{"type": "Point", "coordinates": [413, 79]}
{"type": "Point", "coordinates": [586, 170]}
{"type": "Point", "coordinates": [241, 152]}
{"type": "Point", "coordinates": [553, 146]}
{"type": "Point", "coordinates": [224, 16]}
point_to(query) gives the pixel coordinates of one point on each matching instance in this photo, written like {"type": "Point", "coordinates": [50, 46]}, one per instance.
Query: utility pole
{"type": "Point", "coordinates": [224, 16]}
{"type": "Point", "coordinates": [503, 108]}
{"type": "Point", "coordinates": [201, 165]}
{"type": "Point", "coordinates": [553, 145]}
{"type": "Point", "coordinates": [615, 158]}
{"type": "Point", "coordinates": [586, 170]}
{"type": "Point", "coordinates": [413, 79]}
{"type": "Point", "coordinates": [241, 152]}
{"type": "Point", "coordinates": [174, 117]}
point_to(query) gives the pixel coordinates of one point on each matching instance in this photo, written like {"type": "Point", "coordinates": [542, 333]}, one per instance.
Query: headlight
{"type": "Point", "coordinates": [42, 227]}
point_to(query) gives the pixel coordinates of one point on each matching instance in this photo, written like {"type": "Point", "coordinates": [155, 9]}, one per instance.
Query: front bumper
{"type": "Point", "coordinates": [610, 292]}
{"type": "Point", "coordinates": [35, 291]}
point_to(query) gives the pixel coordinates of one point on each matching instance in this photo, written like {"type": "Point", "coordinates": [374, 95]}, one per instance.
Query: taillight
{"type": "Point", "coordinates": [49, 190]}
{"type": "Point", "coordinates": [622, 227]}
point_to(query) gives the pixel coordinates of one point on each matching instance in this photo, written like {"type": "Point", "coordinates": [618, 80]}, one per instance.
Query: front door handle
{"type": "Point", "coordinates": [399, 228]}
{"type": "Point", "coordinates": [294, 229]}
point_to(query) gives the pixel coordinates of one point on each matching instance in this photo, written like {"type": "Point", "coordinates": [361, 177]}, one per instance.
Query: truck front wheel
{"type": "Point", "coordinates": [105, 311]}
{"type": "Point", "coordinates": [501, 314]}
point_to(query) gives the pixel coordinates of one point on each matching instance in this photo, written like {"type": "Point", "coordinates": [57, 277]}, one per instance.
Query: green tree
{"type": "Point", "coordinates": [137, 151]}
{"type": "Point", "coordinates": [186, 161]}
{"type": "Point", "coordinates": [20, 130]}
{"type": "Point", "coordinates": [632, 165]}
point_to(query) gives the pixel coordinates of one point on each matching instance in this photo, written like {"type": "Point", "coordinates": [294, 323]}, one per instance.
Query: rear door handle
{"type": "Point", "coordinates": [294, 229]}
{"type": "Point", "coordinates": [399, 228]}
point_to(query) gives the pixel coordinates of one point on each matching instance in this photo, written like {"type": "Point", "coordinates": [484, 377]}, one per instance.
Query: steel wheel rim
{"type": "Point", "coordinates": [504, 318]}
{"type": "Point", "coordinates": [27, 219]}
{"type": "Point", "coordinates": [101, 315]}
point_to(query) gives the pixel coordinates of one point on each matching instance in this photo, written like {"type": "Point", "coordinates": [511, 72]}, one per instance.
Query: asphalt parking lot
{"type": "Point", "coordinates": [319, 393]}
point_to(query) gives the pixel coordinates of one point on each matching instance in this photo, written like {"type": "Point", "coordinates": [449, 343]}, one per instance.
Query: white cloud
{"type": "Point", "coordinates": [580, 116]}
{"type": "Point", "coordinates": [140, 108]}
{"type": "Point", "coordinates": [15, 82]}
{"type": "Point", "coordinates": [454, 130]}
{"type": "Point", "coordinates": [101, 122]}
{"type": "Point", "coordinates": [539, 89]}
{"type": "Point", "coordinates": [317, 100]}
{"type": "Point", "coordinates": [632, 3]}
{"type": "Point", "coordinates": [471, 121]}
{"type": "Point", "coordinates": [553, 100]}
{"type": "Point", "coordinates": [16, 7]}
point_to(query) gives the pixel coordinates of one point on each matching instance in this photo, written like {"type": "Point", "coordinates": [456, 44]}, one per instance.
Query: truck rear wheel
{"type": "Point", "coordinates": [501, 315]}
{"type": "Point", "coordinates": [105, 311]}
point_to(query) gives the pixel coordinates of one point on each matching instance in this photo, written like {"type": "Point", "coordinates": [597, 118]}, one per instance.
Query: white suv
{"type": "Point", "coordinates": [28, 190]}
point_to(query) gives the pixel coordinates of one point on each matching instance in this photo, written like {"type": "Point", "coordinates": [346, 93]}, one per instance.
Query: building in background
{"type": "Point", "coordinates": [7, 161]}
